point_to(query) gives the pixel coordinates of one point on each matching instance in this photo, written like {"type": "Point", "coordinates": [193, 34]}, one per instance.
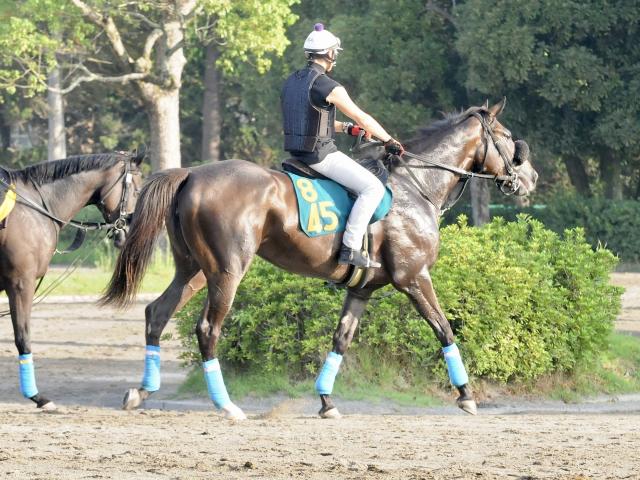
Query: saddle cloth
{"type": "Point", "coordinates": [7, 196]}
{"type": "Point", "coordinates": [324, 205]}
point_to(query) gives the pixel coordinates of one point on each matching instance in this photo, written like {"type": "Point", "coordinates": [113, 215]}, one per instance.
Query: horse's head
{"type": "Point", "coordinates": [498, 154]}
{"type": "Point", "coordinates": [117, 197]}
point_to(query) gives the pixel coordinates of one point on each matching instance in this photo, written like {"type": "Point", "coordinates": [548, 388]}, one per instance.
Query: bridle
{"type": "Point", "coordinates": [120, 223]}
{"type": "Point", "coordinates": [512, 178]}
{"type": "Point", "coordinates": [118, 226]}
{"type": "Point", "coordinates": [501, 181]}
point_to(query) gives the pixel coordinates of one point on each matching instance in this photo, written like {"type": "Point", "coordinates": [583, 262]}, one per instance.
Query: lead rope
{"type": "Point", "coordinates": [71, 268]}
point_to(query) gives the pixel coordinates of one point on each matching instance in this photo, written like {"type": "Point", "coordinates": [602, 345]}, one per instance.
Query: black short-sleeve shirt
{"type": "Point", "coordinates": [320, 90]}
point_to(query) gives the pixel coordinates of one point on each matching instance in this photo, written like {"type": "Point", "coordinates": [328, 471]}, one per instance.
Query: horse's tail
{"type": "Point", "coordinates": [156, 197]}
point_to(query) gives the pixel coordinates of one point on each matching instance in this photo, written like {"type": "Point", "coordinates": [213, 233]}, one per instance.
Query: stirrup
{"type": "Point", "coordinates": [350, 256]}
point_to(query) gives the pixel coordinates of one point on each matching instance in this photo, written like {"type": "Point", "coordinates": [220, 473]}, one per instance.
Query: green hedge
{"type": "Point", "coordinates": [522, 300]}
{"type": "Point", "coordinates": [614, 224]}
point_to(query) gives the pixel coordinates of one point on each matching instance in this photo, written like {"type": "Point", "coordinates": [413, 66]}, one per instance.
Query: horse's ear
{"type": "Point", "coordinates": [486, 104]}
{"type": "Point", "coordinates": [498, 107]}
{"type": "Point", "coordinates": [139, 154]}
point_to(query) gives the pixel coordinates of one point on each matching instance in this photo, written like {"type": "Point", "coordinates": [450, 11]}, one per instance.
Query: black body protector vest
{"type": "Point", "coordinates": [304, 123]}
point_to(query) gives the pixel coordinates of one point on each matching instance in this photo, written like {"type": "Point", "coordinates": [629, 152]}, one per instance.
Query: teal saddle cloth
{"type": "Point", "coordinates": [324, 205]}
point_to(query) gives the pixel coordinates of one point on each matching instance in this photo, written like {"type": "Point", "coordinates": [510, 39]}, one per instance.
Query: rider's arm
{"type": "Point", "coordinates": [340, 98]}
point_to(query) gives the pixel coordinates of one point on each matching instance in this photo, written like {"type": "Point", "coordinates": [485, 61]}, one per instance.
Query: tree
{"type": "Point", "coordinates": [149, 55]}
{"type": "Point", "coordinates": [570, 70]}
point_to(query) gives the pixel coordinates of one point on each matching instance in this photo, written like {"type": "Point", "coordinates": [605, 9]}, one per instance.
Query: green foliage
{"type": "Point", "coordinates": [22, 44]}
{"type": "Point", "coordinates": [614, 224]}
{"type": "Point", "coordinates": [527, 301]}
{"type": "Point", "coordinates": [523, 301]}
{"type": "Point", "coordinates": [32, 32]}
{"type": "Point", "coordinates": [569, 68]}
{"type": "Point", "coordinates": [249, 30]}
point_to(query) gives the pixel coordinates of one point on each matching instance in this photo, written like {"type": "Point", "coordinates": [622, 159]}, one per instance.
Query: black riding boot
{"type": "Point", "coordinates": [349, 256]}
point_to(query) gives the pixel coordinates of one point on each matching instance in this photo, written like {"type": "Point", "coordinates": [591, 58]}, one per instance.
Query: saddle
{"type": "Point", "coordinates": [374, 165]}
{"type": "Point", "coordinates": [355, 277]}
{"type": "Point", "coordinates": [7, 195]}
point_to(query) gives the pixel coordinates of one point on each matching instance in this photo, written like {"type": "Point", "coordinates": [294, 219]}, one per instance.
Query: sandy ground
{"type": "Point", "coordinates": [86, 358]}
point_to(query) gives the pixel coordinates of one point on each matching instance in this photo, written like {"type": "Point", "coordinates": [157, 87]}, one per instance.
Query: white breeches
{"type": "Point", "coordinates": [339, 167]}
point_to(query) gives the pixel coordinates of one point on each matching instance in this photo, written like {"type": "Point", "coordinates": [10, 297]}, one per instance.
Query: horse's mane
{"type": "Point", "coordinates": [46, 172]}
{"type": "Point", "coordinates": [429, 136]}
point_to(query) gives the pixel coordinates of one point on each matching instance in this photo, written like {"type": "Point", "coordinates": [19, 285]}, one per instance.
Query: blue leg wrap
{"type": "Point", "coordinates": [215, 383]}
{"type": "Point", "coordinates": [324, 382]}
{"type": "Point", "coordinates": [457, 373]}
{"type": "Point", "coordinates": [151, 377]}
{"type": "Point", "coordinates": [27, 376]}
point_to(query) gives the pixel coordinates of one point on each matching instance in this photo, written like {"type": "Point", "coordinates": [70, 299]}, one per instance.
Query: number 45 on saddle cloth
{"type": "Point", "coordinates": [324, 205]}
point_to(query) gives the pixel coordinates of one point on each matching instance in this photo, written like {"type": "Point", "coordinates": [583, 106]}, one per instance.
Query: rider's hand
{"type": "Point", "coordinates": [393, 147]}
{"type": "Point", "coordinates": [353, 130]}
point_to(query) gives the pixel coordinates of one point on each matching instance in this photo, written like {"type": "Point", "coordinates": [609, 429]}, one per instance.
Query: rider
{"type": "Point", "coordinates": [309, 98]}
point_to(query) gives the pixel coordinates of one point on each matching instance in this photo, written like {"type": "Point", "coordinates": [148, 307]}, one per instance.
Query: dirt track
{"type": "Point", "coordinates": [86, 357]}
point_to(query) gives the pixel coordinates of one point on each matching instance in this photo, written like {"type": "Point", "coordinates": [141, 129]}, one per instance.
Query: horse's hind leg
{"type": "Point", "coordinates": [20, 294]}
{"type": "Point", "coordinates": [352, 309]}
{"type": "Point", "coordinates": [186, 282]}
{"type": "Point", "coordinates": [222, 286]}
{"type": "Point", "coordinates": [420, 291]}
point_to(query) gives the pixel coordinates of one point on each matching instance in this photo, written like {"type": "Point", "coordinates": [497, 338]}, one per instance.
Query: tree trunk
{"type": "Point", "coordinates": [163, 102]}
{"type": "Point", "coordinates": [57, 145]}
{"type": "Point", "coordinates": [211, 115]}
{"type": "Point", "coordinates": [5, 133]}
{"type": "Point", "coordinates": [480, 198]}
{"type": "Point", "coordinates": [164, 124]}
{"type": "Point", "coordinates": [610, 172]}
{"type": "Point", "coordinates": [577, 174]}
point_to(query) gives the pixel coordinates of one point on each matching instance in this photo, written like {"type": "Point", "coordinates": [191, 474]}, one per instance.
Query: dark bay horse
{"type": "Point", "coordinates": [219, 216]}
{"type": "Point", "coordinates": [49, 194]}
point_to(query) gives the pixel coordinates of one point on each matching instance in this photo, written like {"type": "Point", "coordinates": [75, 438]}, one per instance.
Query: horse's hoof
{"type": "Point", "coordinates": [132, 399]}
{"type": "Point", "coordinates": [330, 413]}
{"type": "Point", "coordinates": [49, 407]}
{"type": "Point", "coordinates": [468, 405]}
{"type": "Point", "coordinates": [233, 412]}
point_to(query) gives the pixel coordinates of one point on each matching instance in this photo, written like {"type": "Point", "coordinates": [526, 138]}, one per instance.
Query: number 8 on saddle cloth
{"type": "Point", "coordinates": [324, 205]}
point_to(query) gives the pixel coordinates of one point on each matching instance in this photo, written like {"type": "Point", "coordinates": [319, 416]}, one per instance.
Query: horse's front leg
{"type": "Point", "coordinates": [352, 309]}
{"type": "Point", "coordinates": [20, 294]}
{"type": "Point", "coordinates": [421, 292]}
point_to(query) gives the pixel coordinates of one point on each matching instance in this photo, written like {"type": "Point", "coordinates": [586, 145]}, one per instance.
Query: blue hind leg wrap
{"type": "Point", "coordinates": [151, 377]}
{"type": "Point", "coordinates": [457, 373]}
{"type": "Point", "coordinates": [215, 383]}
{"type": "Point", "coordinates": [324, 382]}
{"type": "Point", "coordinates": [27, 376]}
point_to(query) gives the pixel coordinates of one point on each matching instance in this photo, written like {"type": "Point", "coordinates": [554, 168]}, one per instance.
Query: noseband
{"type": "Point", "coordinates": [512, 178]}
{"type": "Point", "coordinates": [127, 180]}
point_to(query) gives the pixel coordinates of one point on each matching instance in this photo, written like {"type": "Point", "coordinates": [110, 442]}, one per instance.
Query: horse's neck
{"type": "Point", "coordinates": [67, 196]}
{"type": "Point", "coordinates": [438, 183]}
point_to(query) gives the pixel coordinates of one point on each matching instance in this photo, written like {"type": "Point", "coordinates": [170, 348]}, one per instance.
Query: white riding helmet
{"type": "Point", "coordinates": [321, 41]}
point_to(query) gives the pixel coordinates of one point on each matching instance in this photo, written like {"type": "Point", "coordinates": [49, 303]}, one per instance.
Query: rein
{"type": "Point", "coordinates": [71, 268]}
{"type": "Point", "coordinates": [126, 177]}
{"type": "Point", "coordinates": [501, 180]}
